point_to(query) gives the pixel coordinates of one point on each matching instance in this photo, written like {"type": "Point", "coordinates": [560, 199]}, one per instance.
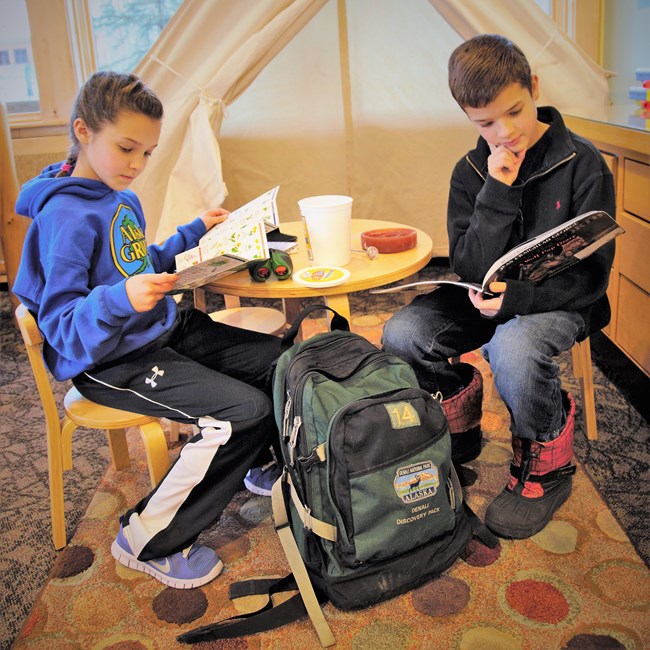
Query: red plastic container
{"type": "Point", "coordinates": [390, 240]}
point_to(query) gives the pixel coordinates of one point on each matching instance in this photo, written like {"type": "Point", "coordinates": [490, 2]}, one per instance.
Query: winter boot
{"type": "Point", "coordinates": [540, 482]}
{"type": "Point", "coordinates": [463, 411]}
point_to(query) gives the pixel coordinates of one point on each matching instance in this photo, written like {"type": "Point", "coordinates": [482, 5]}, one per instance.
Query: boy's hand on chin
{"type": "Point", "coordinates": [504, 164]}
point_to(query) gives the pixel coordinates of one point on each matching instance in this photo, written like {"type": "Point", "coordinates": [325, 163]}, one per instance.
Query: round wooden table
{"type": "Point", "coordinates": [364, 272]}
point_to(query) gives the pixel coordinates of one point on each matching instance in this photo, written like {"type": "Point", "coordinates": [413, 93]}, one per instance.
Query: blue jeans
{"type": "Point", "coordinates": [521, 353]}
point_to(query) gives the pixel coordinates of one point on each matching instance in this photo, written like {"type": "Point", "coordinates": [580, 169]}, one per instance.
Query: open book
{"type": "Point", "coordinates": [539, 258]}
{"type": "Point", "coordinates": [231, 245]}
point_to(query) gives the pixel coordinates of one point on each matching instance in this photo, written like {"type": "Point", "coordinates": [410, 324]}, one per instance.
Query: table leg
{"type": "Point", "coordinates": [291, 308]}
{"type": "Point", "coordinates": [199, 298]}
{"type": "Point", "coordinates": [339, 303]}
{"type": "Point", "coordinates": [231, 302]}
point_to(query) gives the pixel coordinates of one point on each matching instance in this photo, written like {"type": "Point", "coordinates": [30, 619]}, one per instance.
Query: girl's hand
{"type": "Point", "coordinates": [489, 307]}
{"type": "Point", "coordinates": [144, 291]}
{"type": "Point", "coordinates": [503, 164]}
{"type": "Point", "coordinates": [213, 217]}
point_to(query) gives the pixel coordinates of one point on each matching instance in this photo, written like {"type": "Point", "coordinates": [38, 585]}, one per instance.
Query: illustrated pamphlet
{"type": "Point", "coordinates": [231, 245]}
{"type": "Point", "coordinates": [543, 256]}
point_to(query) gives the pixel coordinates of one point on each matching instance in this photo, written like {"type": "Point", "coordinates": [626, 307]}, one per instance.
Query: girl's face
{"type": "Point", "coordinates": [511, 119]}
{"type": "Point", "coordinates": [119, 151]}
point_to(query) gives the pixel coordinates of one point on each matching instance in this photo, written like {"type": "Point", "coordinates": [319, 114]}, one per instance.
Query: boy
{"type": "Point", "coordinates": [528, 173]}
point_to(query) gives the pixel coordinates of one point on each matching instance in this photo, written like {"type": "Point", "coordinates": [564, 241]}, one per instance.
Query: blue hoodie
{"type": "Point", "coordinates": [85, 241]}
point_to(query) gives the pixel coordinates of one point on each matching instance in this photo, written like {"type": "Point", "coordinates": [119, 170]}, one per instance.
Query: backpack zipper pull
{"type": "Point", "coordinates": [293, 439]}
{"type": "Point", "coordinates": [452, 494]}
{"type": "Point", "coordinates": [285, 419]}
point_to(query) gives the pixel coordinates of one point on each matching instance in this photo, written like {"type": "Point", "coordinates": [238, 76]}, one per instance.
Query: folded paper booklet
{"type": "Point", "coordinates": [229, 246]}
{"type": "Point", "coordinates": [539, 258]}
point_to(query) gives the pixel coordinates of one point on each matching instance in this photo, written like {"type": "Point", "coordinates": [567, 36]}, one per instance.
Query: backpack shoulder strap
{"type": "Point", "coordinates": [267, 617]}
{"type": "Point", "coordinates": [316, 526]}
{"type": "Point", "coordinates": [338, 323]}
{"type": "Point", "coordinates": [282, 527]}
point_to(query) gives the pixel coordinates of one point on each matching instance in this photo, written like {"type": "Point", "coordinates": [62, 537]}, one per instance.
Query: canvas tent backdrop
{"type": "Point", "coordinates": [332, 97]}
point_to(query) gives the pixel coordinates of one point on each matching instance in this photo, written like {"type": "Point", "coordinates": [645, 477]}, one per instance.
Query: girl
{"type": "Point", "coordinates": [99, 294]}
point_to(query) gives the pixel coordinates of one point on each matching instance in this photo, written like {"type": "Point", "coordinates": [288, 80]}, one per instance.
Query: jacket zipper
{"type": "Point", "coordinates": [520, 214]}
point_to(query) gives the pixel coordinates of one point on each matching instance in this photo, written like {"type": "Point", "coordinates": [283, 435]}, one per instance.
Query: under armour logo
{"type": "Point", "coordinates": [156, 373]}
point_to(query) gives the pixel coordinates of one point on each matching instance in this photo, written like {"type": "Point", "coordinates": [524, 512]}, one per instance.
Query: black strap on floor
{"type": "Point", "coordinates": [268, 617]}
{"type": "Point", "coordinates": [480, 529]}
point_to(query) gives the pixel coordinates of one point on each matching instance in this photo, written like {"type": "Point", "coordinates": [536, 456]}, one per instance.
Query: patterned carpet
{"type": "Point", "coordinates": [580, 583]}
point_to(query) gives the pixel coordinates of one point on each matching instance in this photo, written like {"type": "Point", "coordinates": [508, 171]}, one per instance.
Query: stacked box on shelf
{"type": "Point", "coordinates": [643, 75]}
{"type": "Point", "coordinates": [640, 95]}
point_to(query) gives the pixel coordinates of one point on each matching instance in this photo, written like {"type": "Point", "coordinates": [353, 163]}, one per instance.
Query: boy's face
{"type": "Point", "coordinates": [118, 152]}
{"type": "Point", "coordinates": [510, 120]}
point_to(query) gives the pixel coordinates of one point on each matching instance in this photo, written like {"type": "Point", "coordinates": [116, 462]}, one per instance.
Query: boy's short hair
{"type": "Point", "coordinates": [480, 68]}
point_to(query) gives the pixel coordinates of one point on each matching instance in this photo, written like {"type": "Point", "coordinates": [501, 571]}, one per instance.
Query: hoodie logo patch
{"type": "Point", "coordinates": [128, 243]}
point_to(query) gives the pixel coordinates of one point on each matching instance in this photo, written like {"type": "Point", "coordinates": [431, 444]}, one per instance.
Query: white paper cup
{"type": "Point", "coordinates": [328, 228]}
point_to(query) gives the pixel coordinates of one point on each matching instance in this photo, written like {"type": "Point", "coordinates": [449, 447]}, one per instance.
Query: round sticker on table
{"type": "Point", "coordinates": [321, 276]}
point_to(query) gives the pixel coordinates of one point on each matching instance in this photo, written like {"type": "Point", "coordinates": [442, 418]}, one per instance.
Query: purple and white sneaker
{"type": "Point", "coordinates": [260, 480]}
{"type": "Point", "coordinates": [192, 567]}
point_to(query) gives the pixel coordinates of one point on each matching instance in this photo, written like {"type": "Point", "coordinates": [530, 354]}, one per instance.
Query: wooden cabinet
{"type": "Point", "coordinates": [627, 152]}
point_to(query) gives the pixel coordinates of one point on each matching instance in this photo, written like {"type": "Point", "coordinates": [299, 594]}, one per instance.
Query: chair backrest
{"type": "Point", "coordinates": [13, 227]}
{"type": "Point", "coordinates": [33, 340]}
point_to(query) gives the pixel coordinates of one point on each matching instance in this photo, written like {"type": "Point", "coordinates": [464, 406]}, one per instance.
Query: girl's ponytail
{"type": "Point", "coordinates": [68, 165]}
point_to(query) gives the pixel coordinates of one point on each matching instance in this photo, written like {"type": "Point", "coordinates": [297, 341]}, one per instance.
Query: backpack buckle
{"type": "Point", "coordinates": [307, 520]}
{"type": "Point", "coordinates": [307, 462]}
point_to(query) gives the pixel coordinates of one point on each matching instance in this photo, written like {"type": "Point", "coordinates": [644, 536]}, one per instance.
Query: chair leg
{"type": "Point", "coordinates": [119, 448]}
{"type": "Point", "coordinates": [55, 470]}
{"type": "Point", "coordinates": [155, 446]}
{"type": "Point", "coordinates": [68, 427]}
{"type": "Point", "coordinates": [174, 431]}
{"type": "Point", "coordinates": [582, 370]}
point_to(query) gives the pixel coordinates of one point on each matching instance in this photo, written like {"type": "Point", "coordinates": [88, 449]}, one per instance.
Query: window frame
{"type": "Point", "coordinates": [61, 41]}
{"type": "Point", "coordinates": [53, 65]}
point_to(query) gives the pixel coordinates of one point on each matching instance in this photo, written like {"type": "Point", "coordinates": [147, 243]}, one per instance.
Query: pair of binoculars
{"type": "Point", "coordinates": [279, 265]}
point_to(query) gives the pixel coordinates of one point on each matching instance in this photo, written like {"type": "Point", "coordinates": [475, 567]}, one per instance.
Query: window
{"type": "Point", "coordinates": [123, 30]}
{"type": "Point", "coordinates": [18, 87]}
{"type": "Point", "coordinates": [85, 35]}
{"type": "Point", "coordinates": [20, 55]}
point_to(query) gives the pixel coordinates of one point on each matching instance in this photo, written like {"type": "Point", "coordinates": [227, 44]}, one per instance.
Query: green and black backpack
{"type": "Point", "coordinates": [369, 505]}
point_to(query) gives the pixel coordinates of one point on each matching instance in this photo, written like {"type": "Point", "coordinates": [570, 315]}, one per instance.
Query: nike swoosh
{"type": "Point", "coordinates": [165, 567]}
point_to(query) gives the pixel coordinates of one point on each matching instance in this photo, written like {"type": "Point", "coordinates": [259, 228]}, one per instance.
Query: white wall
{"type": "Point", "coordinates": [390, 140]}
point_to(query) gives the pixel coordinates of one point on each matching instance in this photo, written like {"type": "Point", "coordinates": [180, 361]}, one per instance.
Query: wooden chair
{"type": "Point", "coordinates": [257, 319]}
{"type": "Point", "coordinates": [13, 227]}
{"type": "Point", "coordinates": [81, 412]}
{"type": "Point", "coordinates": [582, 370]}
